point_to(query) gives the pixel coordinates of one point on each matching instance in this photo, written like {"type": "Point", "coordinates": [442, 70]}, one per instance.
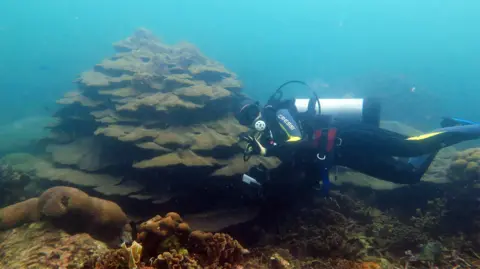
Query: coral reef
{"type": "Point", "coordinates": [161, 234]}
{"type": "Point", "coordinates": [137, 119]}
{"type": "Point", "coordinates": [70, 209]}
{"type": "Point", "coordinates": [151, 129]}
{"type": "Point", "coordinates": [145, 96]}
{"type": "Point", "coordinates": [466, 165]}
{"type": "Point", "coordinates": [14, 185]}
{"type": "Point", "coordinates": [167, 242]}
{"type": "Point", "coordinates": [42, 246]}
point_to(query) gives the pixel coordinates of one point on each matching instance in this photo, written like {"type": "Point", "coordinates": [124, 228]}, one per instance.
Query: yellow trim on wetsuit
{"type": "Point", "coordinates": [424, 136]}
{"type": "Point", "coordinates": [290, 138]}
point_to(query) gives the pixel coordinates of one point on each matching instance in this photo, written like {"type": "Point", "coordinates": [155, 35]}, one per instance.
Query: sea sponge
{"type": "Point", "coordinates": [134, 254]}
{"type": "Point", "coordinates": [69, 209]}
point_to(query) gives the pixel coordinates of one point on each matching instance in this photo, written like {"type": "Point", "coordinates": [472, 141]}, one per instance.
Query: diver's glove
{"type": "Point", "coordinates": [253, 146]}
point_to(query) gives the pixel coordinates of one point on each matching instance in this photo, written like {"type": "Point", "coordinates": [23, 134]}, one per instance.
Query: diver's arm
{"type": "Point", "coordinates": [287, 148]}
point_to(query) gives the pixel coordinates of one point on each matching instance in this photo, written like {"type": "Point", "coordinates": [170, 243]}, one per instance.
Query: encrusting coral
{"type": "Point", "coordinates": [70, 209]}
{"type": "Point", "coordinates": [42, 246]}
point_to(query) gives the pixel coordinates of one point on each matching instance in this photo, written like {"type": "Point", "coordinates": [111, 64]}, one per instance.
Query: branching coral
{"type": "Point", "coordinates": [430, 217]}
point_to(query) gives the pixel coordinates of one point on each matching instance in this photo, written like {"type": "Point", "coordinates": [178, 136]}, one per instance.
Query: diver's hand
{"type": "Point", "coordinates": [253, 145]}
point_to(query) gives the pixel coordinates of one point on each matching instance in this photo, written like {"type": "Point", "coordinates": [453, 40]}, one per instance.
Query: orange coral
{"type": "Point", "coordinates": [369, 265]}
{"type": "Point", "coordinates": [170, 242]}
{"type": "Point", "coordinates": [160, 233]}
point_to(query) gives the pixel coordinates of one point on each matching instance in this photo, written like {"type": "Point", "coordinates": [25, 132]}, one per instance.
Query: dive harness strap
{"type": "Point", "coordinates": [325, 140]}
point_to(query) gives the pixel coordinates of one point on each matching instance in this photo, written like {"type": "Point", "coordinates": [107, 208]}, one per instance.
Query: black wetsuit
{"type": "Point", "coordinates": [368, 149]}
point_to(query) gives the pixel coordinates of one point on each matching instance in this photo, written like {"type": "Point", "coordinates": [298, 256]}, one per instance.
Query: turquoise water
{"type": "Point", "coordinates": [342, 47]}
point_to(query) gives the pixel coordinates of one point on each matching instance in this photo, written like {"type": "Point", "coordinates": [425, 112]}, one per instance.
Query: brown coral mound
{"type": "Point", "coordinates": [149, 109]}
{"type": "Point", "coordinates": [145, 95]}
{"type": "Point", "coordinates": [69, 209]}
{"type": "Point", "coordinates": [466, 165]}
{"type": "Point", "coordinates": [19, 213]}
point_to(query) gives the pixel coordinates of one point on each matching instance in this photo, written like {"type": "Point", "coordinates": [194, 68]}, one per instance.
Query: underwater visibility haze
{"type": "Point", "coordinates": [130, 136]}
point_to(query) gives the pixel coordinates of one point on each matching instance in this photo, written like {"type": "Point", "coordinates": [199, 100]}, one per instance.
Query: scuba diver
{"type": "Point", "coordinates": [318, 134]}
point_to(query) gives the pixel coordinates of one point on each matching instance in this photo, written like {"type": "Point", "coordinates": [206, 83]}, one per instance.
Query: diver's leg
{"type": "Point", "coordinates": [364, 138]}
{"type": "Point", "coordinates": [385, 168]}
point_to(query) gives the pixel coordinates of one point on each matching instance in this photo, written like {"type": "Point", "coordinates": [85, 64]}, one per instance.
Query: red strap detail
{"type": "Point", "coordinates": [317, 137]}
{"type": "Point", "coordinates": [332, 134]}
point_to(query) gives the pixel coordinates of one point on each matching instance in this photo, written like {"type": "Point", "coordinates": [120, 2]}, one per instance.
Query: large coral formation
{"type": "Point", "coordinates": [70, 209]}
{"type": "Point", "coordinates": [151, 109]}
{"type": "Point", "coordinates": [146, 95]}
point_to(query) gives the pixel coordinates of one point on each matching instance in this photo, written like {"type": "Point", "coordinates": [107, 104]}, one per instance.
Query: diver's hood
{"type": "Point", "coordinates": [248, 111]}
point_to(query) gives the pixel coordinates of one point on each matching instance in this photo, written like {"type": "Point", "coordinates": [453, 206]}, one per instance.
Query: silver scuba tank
{"type": "Point", "coordinates": [345, 110]}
